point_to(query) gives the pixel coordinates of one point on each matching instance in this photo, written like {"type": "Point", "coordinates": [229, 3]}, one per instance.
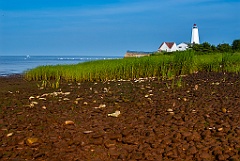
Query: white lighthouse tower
{"type": "Point", "coordinates": [195, 35]}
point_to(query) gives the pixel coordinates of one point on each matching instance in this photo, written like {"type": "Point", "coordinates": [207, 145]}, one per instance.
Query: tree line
{"type": "Point", "coordinates": [206, 47]}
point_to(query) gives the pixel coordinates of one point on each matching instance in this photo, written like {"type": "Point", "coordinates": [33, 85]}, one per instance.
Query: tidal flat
{"type": "Point", "coordinates": [197, 118]}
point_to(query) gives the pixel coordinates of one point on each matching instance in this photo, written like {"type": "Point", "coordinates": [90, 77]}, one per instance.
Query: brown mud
{"type": "Point", "coordinates": [158, 120]}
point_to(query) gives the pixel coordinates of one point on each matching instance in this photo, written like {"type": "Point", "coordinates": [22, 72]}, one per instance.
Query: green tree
{"type": "Point", "coordinates": [236, 45]}
{"type": "Point", "coordinates": [206, 47]}
{"type": "Point", "coordinates": [224, 47]}
{"type": "Point", "coordinates": [213, 48]}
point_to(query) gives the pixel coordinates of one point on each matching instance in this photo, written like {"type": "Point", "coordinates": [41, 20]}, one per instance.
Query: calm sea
{"type": "Point", "coordinates": [19, 64]}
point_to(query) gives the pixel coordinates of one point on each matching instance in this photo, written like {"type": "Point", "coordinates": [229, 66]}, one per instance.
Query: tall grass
{"type": "Point", "coordinates": [184, 62]}
{"type": "Point", "coordinates": [161, 66]}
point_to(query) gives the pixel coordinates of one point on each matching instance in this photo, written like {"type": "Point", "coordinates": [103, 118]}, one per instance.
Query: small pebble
{"type": "Point", "coordinates": [224, 110]}
{"type": "Point", "coordinates": [69, 122]}
{"type": "Point", "coordinates": [115, 114]}
{"type": "Point", "coordinates": [10, 134]}
{"type": "Point", "coordinates": [169, 110]}
{"type": "Point", "coordinates": [31, 141]}
{"type": "Point", "coordinates": [87, 132]}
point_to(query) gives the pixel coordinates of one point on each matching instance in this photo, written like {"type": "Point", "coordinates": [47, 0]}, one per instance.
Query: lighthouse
{"type": "Point", "coordinates": [195, 35]}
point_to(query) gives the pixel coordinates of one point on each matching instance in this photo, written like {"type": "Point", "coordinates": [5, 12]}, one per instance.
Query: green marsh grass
{"type": "Point", "coordinates": [161, 66]}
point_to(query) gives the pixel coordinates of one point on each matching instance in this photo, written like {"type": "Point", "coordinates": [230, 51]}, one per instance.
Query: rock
{"type": "Point", "coordinates": [235, 158]}
{"type": "Point", "coordinates": [69, 122]}
{"type": "Point", "coordinates": [221, 157]}
{"type": "Point", "coordinates": [177, 137]}
{"type": "Point", "coordinates": [137, 156]}
{"type": "Point", "coordinates": [126, 132]}
{"type": "Point", "coordinates": [32, 141]}
{"type": "Point", "coordinates": [169, 110]}
{"type": "Point", "coordinates": [100, 106]}
{"type": "Point", "coordinates": [66, 99]}
{"type": "Point", "coordinates": [186, 134]}
{"type": "Point", "coordinates": [130, 140]}
{"type": "Point", "coordinates": [113, 152]}
{"type": "Point", "coordinates": [97, 135]}
{"type": "Point", "coordinates": [177, 117]}
{"type": "Point", "coordinates": [87, 132]}
{"type": "Point", "coordinates": [97, 141]}
{"type": "Point", "coordinates": [115, 114]}
{"type": "Point", "coordinates": [196, 136]}
{"type": "Point", "coordinates": [206, 134]}
{"type": "Point", "coordinates": [205, 155]}
{"type": "Point", "coordinates": [31, 97]}
{"type": "Point", "coordinates": [115, 136]}
{"type": "Point", "coordinates": [38, 155]}
{"type": "Point", "coordinates": [217, 150]}
{"type": "Point", "coordinates": [195, 87]}
{"type": "Point", "coordinates": [192, 150]}
{"type": "Point", "coordinates": [185, 146]}
{"type": "Point", "coordinates": [110, 144]}
{"type": "Point", "coordinates": [10, 134]}
{"type": "Point", "coordinates": [224, 110]}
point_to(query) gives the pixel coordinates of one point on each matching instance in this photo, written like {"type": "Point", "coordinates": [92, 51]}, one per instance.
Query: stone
{"type": "Point", "coordinates": [205, 155]}
{"type": "Point", "coordinates": [110, 144]}
{"type": "Point", "coordinates": [100, 106]}
{"type": "Point", "coordinates": [32, 141]}
{"type": "Point", "coordinates": [97, 141]}
{"type": "Point", "coordinates": [221, 157]}
{"type": "Point", "coordinates": [113, 152]}
{"type": "Point", "coordinates": [196, 136]}
{"type": "Point", "coordinates": [97, 135]}
{"type": "Point", "coordinates": [87, 132]}
{"type": "Point", "coordinates": [177, 137]}
{"type": "Point", "coordinates": [137, 156]}
{"type": "Point", "coordinates": [69, 122]}
{"type": "Point", "coordinates": [177, 117]}
{"type": "Point", "coordinates": [130, 140]}
{"type": "Point", "coordinates": [192, 150]}
{"type": "Point", "coordinates": [169, 110]}
{"type": "Point", "coordinates": [224, 110]}
{"type": "Point", "coordinates": [115, 136]}
{"type": "Point", "coordinates": [10, 134]}
{"type": "Point", "coordinates": [115, 114]}
{"type": "Point", "coordinates": [186, 134]}
{"type": "Point", "coordinates": [206, 134]}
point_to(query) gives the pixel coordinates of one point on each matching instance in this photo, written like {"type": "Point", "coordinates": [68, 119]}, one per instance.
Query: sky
{"type": "Point", "coordinates": [111, 27]}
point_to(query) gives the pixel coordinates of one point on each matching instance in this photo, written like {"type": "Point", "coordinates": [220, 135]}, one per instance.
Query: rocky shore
{"type": "Point", "coordinates": [197, 118]}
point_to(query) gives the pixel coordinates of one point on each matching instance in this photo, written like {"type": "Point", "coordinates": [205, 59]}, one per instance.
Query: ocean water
{"type": "Point", "coordinates": [19, 64]}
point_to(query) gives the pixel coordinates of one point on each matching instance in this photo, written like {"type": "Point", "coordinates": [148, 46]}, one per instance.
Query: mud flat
{"type": "Point", "coordinates": [146, 119]}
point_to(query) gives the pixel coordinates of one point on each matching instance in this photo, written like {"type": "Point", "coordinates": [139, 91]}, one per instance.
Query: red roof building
{"type": "Point", "coordinates": [168, 47]}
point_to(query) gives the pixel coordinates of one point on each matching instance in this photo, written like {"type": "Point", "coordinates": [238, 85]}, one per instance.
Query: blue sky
{"type": "Point", "coordinates": [111, 27]}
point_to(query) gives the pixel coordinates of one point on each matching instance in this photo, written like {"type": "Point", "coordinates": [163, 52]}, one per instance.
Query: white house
{"type": "Point", "coordinates": [182, 47]}
{"type": "Point", "coordinates": [168, 47]}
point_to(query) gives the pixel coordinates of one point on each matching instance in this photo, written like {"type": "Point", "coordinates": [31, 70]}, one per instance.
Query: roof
{"type": "Point", "coordinates": [169, 44]}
